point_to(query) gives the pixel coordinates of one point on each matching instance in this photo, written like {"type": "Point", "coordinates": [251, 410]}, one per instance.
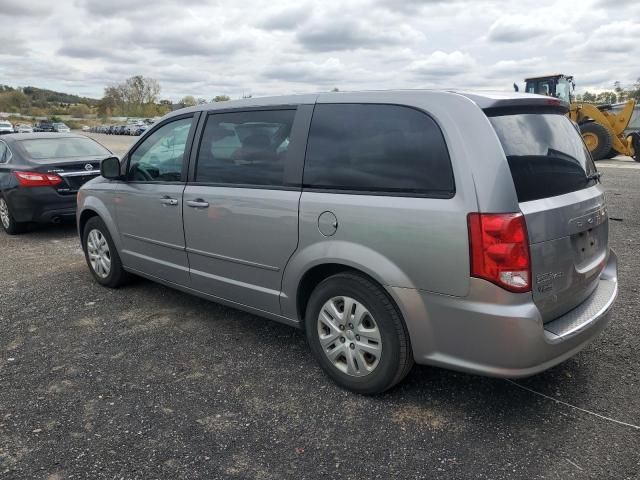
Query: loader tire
{"type": "Point", "coordinates": [597, 138]}
{"type": "Point", "coordinates": [635, 143]}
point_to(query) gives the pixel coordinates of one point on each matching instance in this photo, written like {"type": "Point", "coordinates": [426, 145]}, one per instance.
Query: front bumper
{"type": "Point", "coordinates": [40, 204]}
{"type": "Point", "coordinates": [498, 333]}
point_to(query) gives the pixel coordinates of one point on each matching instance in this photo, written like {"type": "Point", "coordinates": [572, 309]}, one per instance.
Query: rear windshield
{"type": "Point", "coordinates": [64, 147]}
{"type": "Point", "coordinates": [546, 154]}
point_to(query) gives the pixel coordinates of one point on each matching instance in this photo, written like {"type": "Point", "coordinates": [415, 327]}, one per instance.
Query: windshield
{"type": "Point", "coordinates": [67, 147]}
{"type": "Point", "coordinates": [546, 154]}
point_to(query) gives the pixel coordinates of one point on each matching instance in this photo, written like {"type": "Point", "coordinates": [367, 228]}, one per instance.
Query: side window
{"type": "Point", "coordinates": [245, 148]}
{"type": "Point", "coordinates": [377, 148]}
{"type": "Point", "coordinates": [159, 157]}
{"type": "Point", "coordinates": [5, 153]}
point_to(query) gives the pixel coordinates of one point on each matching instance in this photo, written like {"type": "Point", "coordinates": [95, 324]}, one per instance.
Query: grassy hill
{"type": "Point", "coordinates": [40, 101]}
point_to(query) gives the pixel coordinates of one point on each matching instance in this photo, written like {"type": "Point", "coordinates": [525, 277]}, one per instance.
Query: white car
{"type": "Point", "coordinates": [24, 128]}
{"type": "Point", "coordinates": [5, 127]}
{"type": "Point", "coordinates": [61, 128]}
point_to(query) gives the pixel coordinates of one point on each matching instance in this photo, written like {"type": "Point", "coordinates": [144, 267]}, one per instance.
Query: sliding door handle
{"type": "Point", "coordinates": [197, 203]}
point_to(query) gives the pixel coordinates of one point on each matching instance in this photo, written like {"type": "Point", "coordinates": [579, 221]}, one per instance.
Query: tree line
{"type": "Point", "coordinates": [617, 94]}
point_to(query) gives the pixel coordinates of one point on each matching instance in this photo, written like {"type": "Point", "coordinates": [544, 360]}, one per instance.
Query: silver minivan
{"type": "Point", "coordinates": [448, 228]}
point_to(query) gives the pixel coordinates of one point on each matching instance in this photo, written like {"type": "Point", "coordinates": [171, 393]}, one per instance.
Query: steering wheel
{"type": "Point", "coordinates": [139, 171]}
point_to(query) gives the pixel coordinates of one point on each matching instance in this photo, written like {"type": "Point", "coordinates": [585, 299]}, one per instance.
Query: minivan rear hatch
{"type": "Point", "coordinates": [560, 195]}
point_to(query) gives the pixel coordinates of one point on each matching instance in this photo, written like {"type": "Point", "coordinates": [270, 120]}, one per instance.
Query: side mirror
{"type": "Point", "coordinates": [110, 168]}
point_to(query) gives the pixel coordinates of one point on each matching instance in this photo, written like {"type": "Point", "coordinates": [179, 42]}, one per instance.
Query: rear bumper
{"type": "Point", "coordinates": [40, 204]}
{"type": "Point", "coordinates": [497, 333]}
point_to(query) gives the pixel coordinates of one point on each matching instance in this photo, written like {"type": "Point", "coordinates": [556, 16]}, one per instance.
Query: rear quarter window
{"type": "Point", "coordinates": [384, 149]}
{"type": "Point", "coordinates": [546, 154]}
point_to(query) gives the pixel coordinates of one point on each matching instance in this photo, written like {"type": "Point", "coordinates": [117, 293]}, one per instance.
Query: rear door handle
{"type": "Point", "coordinates": [198, 203]}
{"type": "Point", "coordinates": [169, 201]}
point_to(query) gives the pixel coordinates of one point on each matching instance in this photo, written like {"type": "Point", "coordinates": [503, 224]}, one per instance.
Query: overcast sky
{"type": "Point", "coordinates": [206, 48]}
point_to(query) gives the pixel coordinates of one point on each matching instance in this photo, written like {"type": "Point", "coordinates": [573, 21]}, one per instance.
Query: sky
{"type": "Point", "coordinates": [218, 47]}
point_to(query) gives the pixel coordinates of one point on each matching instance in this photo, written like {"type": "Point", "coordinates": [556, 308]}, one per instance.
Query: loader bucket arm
{"type": "Point", "coordinates": [616, 123]}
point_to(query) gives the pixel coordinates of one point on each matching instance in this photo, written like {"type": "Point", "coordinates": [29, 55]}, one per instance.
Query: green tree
{"type": "Point", "coordinates": [621, 93]}
{"type": "Point", "coordinates": [136, 96]}
{"type": "Point", "coordinates": [221, 98]}
{"type": "Point", "coordinates": [606, 97]}
{"type": "Point", "coordinates": [188, 101]}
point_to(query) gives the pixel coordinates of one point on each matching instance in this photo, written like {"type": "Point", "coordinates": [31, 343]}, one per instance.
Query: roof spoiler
{"type": "Point", "coordinates": [517, 101]}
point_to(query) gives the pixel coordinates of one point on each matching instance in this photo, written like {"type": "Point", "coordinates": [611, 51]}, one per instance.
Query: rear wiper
{"type": "Point", "coordinates": [594, 176]}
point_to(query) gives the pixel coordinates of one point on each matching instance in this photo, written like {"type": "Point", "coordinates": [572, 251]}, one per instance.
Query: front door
{"type": "Point", "coordinates": [241, 209]}
{"type": "Point", "coordinates": [149, 203]}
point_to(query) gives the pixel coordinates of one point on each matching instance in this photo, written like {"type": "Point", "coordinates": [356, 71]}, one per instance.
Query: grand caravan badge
{"type": "Point", "coordinates": [545, 280]}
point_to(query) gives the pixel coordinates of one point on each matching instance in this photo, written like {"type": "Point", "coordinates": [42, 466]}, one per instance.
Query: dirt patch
{"type": "Point", "coordinates": [419, 415]}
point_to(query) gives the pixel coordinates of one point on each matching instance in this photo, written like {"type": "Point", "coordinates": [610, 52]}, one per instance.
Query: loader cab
{"type": "Point", "coordinates": [558, 86]}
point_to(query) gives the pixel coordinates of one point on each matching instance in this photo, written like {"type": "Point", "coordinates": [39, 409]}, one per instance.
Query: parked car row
{"type": "Point", "coordinates": [373, 221]}
{"type": "Point", "coordinates": [47, 126]}
{"type": "Point", "coordinates": [129, 129]}
{"type": "Point", "coordinates": [43, 126]}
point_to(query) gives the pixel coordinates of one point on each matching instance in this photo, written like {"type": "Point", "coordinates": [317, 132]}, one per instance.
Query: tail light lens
{"type": "Point", "coordinates": [499, 250]}
{"type": "Point", "coordinates": [37, 179]}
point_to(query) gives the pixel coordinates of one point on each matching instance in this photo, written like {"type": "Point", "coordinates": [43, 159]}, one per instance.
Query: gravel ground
{"type": "Point", "coordinates": [146, 382]}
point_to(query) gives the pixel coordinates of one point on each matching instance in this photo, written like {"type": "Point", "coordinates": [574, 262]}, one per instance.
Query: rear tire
{"type": "Point", "coordinates": [9, 225]}
{"type": "Point", "coordinates": [341, 342]}
{"type": "Point", "coordinates": [101, 255]}
{"type": "Point", "coordinates": [597, 138]}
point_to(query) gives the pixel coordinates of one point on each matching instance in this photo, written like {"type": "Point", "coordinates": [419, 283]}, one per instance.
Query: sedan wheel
{"type": "Point", "coordinates": [99, 254]}
{"type": "Point", "coordinates": [4, 214]}
{"type": "Point", "coordinates": [349, 336]}
{"type": "Point", "coordinates": [9, 225]}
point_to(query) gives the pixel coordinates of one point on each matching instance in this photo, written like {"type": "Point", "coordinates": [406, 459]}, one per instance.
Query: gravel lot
{"type": "Point", "coordinates": [118, 144]}
{"type": "Point", "coordinates": [146, 382]}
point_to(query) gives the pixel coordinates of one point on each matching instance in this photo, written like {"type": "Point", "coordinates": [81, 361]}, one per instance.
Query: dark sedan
{"type": "Point", "coordinates": [40, 174]}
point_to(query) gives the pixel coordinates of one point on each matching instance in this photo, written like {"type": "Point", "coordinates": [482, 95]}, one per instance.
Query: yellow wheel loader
{"type": "Point", "coordinates": [603, 130]}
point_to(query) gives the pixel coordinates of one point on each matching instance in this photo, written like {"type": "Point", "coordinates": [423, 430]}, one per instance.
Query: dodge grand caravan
{"type": "Point", "coordinates": [462, 230]}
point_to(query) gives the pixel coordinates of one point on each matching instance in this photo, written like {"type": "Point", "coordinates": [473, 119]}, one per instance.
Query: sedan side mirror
{"type": "Point", "coordinates": [110, 168]}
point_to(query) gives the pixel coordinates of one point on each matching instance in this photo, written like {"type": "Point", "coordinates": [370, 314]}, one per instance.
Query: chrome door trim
{"type": "Point", "coordinates": [79, 174]}
{"type": "Point", "coordinates": [154, 242]}
{"type": "Point", "coordinates": [233, 260]}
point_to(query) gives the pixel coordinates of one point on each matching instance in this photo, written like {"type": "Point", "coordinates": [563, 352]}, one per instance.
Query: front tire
{"type": "Point", "coordinates": [357, 335]}
{"type": "Point", "coordinates": [597, 138]}
{"type": "Point", "coordinates": [9, 225]}
{"type": "Point", "coordinates": [101, 255]}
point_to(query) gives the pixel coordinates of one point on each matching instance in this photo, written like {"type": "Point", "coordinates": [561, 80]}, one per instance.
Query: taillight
{"type": "Point", "coordinates": [37, 179]}
{"type": "Point", "coordinates": [499, 250]}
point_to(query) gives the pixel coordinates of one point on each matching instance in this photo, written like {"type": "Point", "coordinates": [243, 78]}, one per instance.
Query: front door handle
{"type": "Point", "coordinates": [198, 203]}
{"type": "Point", "coordinates": [169, 201]}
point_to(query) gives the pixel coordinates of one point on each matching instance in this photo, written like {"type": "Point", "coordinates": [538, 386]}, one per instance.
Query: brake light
{"type": "Point", "coordinates": [37, 179]}
{"type": "Point", "coordinates": [499, 250]}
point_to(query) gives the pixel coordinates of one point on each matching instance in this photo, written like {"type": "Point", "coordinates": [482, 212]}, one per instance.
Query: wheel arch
{"type": "Point", "coordinates": [93, 207]}
{"type": "Point", "coordinates": [319, 261]}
